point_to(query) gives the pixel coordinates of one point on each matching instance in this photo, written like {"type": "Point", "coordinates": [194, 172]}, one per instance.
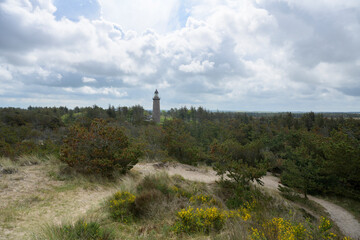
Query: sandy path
{"type": "Point", "coordinates": [343, 219]}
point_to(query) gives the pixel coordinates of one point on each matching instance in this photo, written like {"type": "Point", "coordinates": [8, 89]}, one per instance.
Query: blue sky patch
{"type": "Point", "coordinates": [73, 9]}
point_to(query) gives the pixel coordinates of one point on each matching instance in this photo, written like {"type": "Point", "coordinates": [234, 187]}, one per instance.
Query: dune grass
{"type": "Point", "coordinates": [159, 199]}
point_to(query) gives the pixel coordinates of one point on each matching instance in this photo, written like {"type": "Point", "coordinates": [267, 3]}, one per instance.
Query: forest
{"type": "Point", "coordinates": [312, 153]}
{"type": "Point", "coordinates": [315, 153]}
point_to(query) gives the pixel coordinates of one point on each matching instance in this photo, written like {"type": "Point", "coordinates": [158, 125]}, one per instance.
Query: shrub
{"type": "Point", "coordinates": [206, 218]}
{"type": "Point", "coordinates": [199, 220]}
{"type": "Point", "coordinates": [280, 229]}
{"type": "Point", "coordinates": [324, 229]}
{"type": "Point", "coordinates": [122, 206]}
{"type": "Point", "coordinates": [242, 212]}
{"type": "Point", "coordinates": [203, 199]}
{"type": "Point", "coordinates": [100, 149]}
{"type": "Point", "coordinates": [145, 201]}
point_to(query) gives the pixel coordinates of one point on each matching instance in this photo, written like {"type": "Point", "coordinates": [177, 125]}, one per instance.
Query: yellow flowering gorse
{"type": "Point", "coordinates": [120, 206]}
{"type": "Point", "coordinates": [203, 199]}
{"type": "Point", "coordinates": [199, 220]}
{"type": "Point", "coordinates": [280, 229]}
{"type": "Point", "coordinates": [208, 218]}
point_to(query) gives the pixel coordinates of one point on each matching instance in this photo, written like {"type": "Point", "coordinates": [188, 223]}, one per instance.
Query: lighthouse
{"type": "Point", "coordinates": [156, 107]}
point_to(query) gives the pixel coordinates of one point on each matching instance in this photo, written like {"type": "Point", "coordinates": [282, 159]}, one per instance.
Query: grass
{"type": "Point", "coordinates": [18, 212]}
{"type": "Point", "coordinates": [10, 213]}
{"type": "Point", "coordinates": [24, 160]}
{"type": "Point", "coordinates": [7, 166]}
{"type": "Point", "coordinates": [81, 229]}
{"type": "Point", "coordinates": [3, 186]}
{"type": "Point", "coordinates": [28, 160]}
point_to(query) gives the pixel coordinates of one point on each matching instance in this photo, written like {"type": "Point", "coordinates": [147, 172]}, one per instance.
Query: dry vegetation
{"type": "Point", "coordinates": [43, 199]}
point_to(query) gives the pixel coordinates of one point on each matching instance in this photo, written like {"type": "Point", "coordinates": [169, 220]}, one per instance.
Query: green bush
{"type": "Point", "coordinates": [101, 149]}
{"type": "Point", "coordinates": [122, 206]}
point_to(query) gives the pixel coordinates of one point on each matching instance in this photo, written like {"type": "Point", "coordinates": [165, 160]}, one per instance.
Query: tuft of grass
{"type": "Point", "coordinates": [81, 229]}
{"type": "Point", "coordinates": [159, 181]}
{"type": "Point", "coordinates": [28, 160]}
{"type": "Point", "coordinates": [234, 229]}
{"type": "Point", "coordinates": [7, 166]}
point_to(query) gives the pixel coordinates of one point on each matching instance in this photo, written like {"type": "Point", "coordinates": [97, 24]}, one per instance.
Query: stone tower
{"type": "Point", "coordinates": [156, 107]}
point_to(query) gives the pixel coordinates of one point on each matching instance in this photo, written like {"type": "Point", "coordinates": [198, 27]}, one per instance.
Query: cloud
{"type": "Point", "coordinates": [88, 80]}
{"type": "Point", "coordinates": [197, 67]}
{"type": "Point", "coordinates": [140, 15]}
{"type": "Point", "coordinates": [5, 74]}
{"type": "Point", "coordinates": [232, 55]}
{"type": "Point", "coordinates": [86, 90]}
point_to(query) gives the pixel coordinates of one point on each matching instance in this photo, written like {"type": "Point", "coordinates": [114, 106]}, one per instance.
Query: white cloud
{"type": "Point", "coordinates": [268, 54]}
{"type": "Point", "coordinates": [100, 91]}
{"type": "Point", "coordinates": [140, 15]}
{"type": "Point", "coordinates": [197, 67]}
{"type": "Point", "coordinates": [5, 74]}
{"type": "Point", "coordinates": [88, 80]}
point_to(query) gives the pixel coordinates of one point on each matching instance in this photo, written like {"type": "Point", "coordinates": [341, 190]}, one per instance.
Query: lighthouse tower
{"type": "Point", "coordinates": [156, 107]}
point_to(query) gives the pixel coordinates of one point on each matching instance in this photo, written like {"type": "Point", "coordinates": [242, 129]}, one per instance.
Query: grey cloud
{"type": "Point", "coordinates": [351, 90]}
{"type": "Point", "coordinates": [276, 61]}
{"type": "Point", "coordinates": [328, 36]}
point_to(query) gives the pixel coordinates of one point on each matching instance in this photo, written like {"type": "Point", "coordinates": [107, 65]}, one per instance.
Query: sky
{"type": "Point", "coordinates": [227, 55]}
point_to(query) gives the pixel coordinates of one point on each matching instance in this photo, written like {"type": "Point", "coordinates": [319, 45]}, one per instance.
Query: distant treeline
{"type": "Point", "coordinates": [312, 152]}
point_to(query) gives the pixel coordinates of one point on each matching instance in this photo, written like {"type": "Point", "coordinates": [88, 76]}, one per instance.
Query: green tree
{"type": "Point", "coordinates": [343, 163]}
{"type": "Point", "coordinates": [239, 163]}
{"type": "Point", "coordinates": [302, 168]}
{"type": "Point", "coordinates": [179, 143]}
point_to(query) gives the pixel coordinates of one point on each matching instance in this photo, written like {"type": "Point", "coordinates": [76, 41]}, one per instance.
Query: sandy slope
{"type": "Point", "coordinates": [30, 201]}
{"type": "Point", "coordinates": [33, 188]}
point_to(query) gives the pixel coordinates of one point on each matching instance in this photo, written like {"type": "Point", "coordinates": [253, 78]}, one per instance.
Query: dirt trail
{"type": "Point", "coordinates": [343, 219]}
